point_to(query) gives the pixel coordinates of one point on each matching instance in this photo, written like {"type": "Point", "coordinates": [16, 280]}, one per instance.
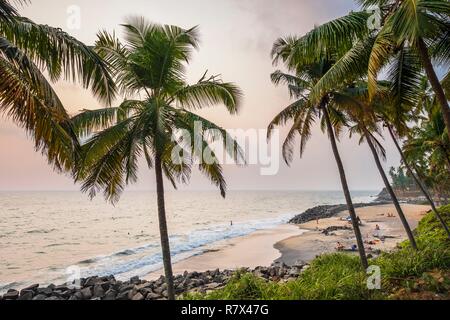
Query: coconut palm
{"type": "Point", "coordinates": [27, 97]}
{"type": "Point", "coordinates": [356, 103]}
{"type": "Point", "coordinates": [149, 68]}
{"type": "Point", "coordinates": [406, 25]}
{"type": "Point", "coordinates": [304, 113]}
{"type": "Point", "coordinates": [421, 25]}
{"type": "Point", "coordinates": [396, 115]}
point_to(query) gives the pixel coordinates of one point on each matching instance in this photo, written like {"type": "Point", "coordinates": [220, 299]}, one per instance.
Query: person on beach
{"type": "Point", "coordinates": [339, 246]}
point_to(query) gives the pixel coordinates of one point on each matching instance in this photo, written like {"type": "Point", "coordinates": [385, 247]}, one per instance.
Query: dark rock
{"type": "Point", "coordinates": [11, 295]}
{"type": "Point", "coordinates": [40, 297]}
{"type": "Point", "coordinates": [98, 292]}
{"type": "Point", "coordinates": [91, 281]}
{"type": "Point", "coordinates": [26, 295]}
{"type": "Point", "coordinates": [52, 298]}
{"type": "Point", "coordinates": [86, 293]}
{"type": "Point", "coordinates": [110, 294]}
{"type": "Point", "coordinates": [78, 295]}
{"type": "Point", "coordinates": [47, 291]}
{"type": "Point", "coordinates": [123, 295]}
{"type": "Point", "coordinates": [327, 211]}
{"type": "Point", "coordinates": [135, 280]}
{"type": "Point", "coordinates": [33, 287]}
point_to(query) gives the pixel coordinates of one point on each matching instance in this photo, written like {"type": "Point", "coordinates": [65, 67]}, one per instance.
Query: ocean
{"type": "Point", "coordinates": [44, 235]}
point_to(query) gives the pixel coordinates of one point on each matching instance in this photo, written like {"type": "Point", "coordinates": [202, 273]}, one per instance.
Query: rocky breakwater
{"type": "Point", "coordinates": [108, 288]}
{"type": "Point", "coordinates": [328, 211]}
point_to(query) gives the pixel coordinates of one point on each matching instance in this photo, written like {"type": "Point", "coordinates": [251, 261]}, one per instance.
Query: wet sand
{"type": "Point", "coordinates": [299, 244]}
{"type": "Point", "coordinates": [256, 249]}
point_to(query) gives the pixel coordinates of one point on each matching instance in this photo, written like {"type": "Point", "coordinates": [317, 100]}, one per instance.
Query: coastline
{"type": "Point", "coordinates": [298, 244]}
{"type": "Point", "coordinates": [276, 254]}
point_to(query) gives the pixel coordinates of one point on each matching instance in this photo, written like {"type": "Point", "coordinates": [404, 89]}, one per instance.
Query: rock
{"type": "Point", "coordinates": [28, 295]}
{"type": "Point", "coordinates": [33, 287]}
{"type": "Point", "coordinates": [123, 295]}
{"type": "Point", "coordinates": [91, 281]}
{"type": "Point", "coordinates": [152, 296]}
{"type": "Point", "coordinates": [77, 296]}
{"type": "Point", "coordinates": [135, 280]}
{"type": "Point", "coordinates": [53, 298]}
{"type": "Point", "coordinates": [40, 297]}
{"type": "Point", "coordinates": [47, 291]}
{"type": "Point", "coordinates": [98, 291]}
{"type": "Point", "coordinates": [11, 295]}
{"type": "Point", "coordinates": [145, 285]}
{"type": "Point", "coordinates": [61, 288]}
{"type": "Point", "coordinates": [51, 286]}
{"type": "Point", "coordinates": [66, 294]}
{"type": "Point", "coordinates": [110, 294]}
{"type": "Point", "coordinates": [86, 293]}
{"type": "Point", "coordinates": [138, 297]}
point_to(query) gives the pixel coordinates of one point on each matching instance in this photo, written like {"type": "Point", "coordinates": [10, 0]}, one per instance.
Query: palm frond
{"type": "Point", "coordinates": [210, 92]}
{"type": "Point", "coordinates": [61, 55]}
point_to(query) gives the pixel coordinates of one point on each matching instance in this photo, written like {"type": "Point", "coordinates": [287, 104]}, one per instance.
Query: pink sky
{"type": "Point", "coordinates": [236, 40]}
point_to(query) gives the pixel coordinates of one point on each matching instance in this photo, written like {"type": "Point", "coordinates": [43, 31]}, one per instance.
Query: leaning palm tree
{"type": "Point", "coordinates": [304, 112]}
{"type": "Point", "coordinates": [406, 24]}
{"type": "Point", "coordinates": [421, 25]}
{"type": "Point", "coordinates": [356, 103]}
{"type": "Point", "coordinates": [27, 49]}
{"type": "Point", "coordinates": [149, 68]}
{"type": "Point", "coordinates": [403, 108]}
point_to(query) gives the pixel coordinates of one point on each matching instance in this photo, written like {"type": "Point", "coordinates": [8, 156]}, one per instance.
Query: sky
{"type": "Point", "coordinates": [236, 39]}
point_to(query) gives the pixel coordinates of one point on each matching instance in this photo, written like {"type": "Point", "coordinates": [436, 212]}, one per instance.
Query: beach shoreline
{"type": "Point", "coordinates": [276, 254]}
{"type": "Point", "coordinates": [298, 244]}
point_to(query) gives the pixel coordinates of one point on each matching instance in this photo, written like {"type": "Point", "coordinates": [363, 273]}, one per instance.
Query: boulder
{"type": "Point", "coordinates": [138, 297]}
{"type": "Point", "coordinates": [40, 297]}
{"type": "Point", "coordinates": [86, 293]}
{"type": "Point", "coordinates": [110, 294]}
{"type": "Point", "coordinates": [98, 291]}
{"type": "Point", "coordinates": [11, 295]}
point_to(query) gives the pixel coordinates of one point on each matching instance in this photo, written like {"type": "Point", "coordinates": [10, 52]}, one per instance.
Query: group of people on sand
{"type": "Point", "coordinates": [376, 234]}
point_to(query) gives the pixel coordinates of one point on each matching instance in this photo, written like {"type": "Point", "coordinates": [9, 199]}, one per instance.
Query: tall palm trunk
{"type": "Point", "coordinates": [434, 81]}
{"type": "Point", "coordinates": [348, 198]}
{"type": "Point", "coordinates": [389, 188]}
{"type": "Point", "coordinates": [163, 228]}
{"type": "Point", "coordinates": [418, 181]}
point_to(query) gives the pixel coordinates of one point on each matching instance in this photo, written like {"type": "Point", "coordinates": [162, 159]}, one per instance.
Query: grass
{"type": "Point", "coordinates": [406, 274]}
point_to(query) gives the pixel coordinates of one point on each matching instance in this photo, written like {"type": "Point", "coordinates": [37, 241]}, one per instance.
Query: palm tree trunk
{"type": "Point", "coordinates": [419, 182]}
{"type": "Point", "coordinates": [165, 246]}
{"type": "Point", "coordinates": [348, 198]}
{"type": "Point", "coordinates": [389, 188]}
{"type": "Point", "coordinates": [434, 81]}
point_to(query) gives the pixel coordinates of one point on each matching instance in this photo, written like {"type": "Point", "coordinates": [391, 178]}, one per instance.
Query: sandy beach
{"type": "Point", "coordinates": [299, 244]}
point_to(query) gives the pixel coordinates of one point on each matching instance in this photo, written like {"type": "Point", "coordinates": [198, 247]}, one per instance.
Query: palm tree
{"type": "Point", "coordinates": [151, 66]}
{"type": "Point", "coordinates": [407, 25]}
{"type": "Point", "coordinates": [27, 97]}
{"type": "Point", "coordinates": [396, 115]}
{"type": "Point", "coordinates": [303, 112]}
{"type": "Point", "coordinates": [422, 25]}
{"type": "Point", "coordinates": [355, 101]}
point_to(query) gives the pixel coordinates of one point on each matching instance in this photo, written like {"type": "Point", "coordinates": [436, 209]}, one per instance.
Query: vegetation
{"type": "Point", "coordinates": [27, 49]}
{"type": "Point", "coordinates": [151, 64]}
{"type": "Point", "coordinates": [405, 273]}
